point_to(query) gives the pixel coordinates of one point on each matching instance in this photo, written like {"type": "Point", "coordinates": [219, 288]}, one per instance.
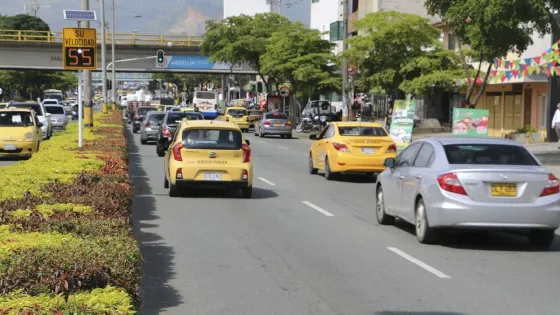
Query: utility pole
{"type": "Point", "coordinates": [345, 88]}
{"type": "Point", "coordinates": [86, 77]}
{"type": "Point", "coordinates": [114, 85]}
{"type": "Point", "coordinates": [103, 54]}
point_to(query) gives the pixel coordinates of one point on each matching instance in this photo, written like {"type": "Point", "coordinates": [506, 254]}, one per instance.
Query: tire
{"type": "Point", "coordinates": [424, 233]}
{"type": "Point", "coordinates": [541, 238]}
{"type": "Point", "coordinates": [289, 136]}
{"type": "Point", "coordinates": [165, 182]}
{"type": "Point", "coordinates": [247, 193]}
{"type": "Point", "coordinates": [382, 217]}
{"type": "Point", "coordinates": [312, 170]}
{"type": "Point", "coordinates": [261, 134]}
{"type": "Point", "coordinates": [142, 141]}
{"type": "Point", "coordinates": [329, 175]}
{"type": "Point", "coordinates": [159, 151]}
{"type": "Point", "coordinates": [134, 130]}
{"type": "Point", "coordinates": [173, 191]}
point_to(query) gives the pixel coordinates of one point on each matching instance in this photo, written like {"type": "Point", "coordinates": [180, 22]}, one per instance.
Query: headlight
{"type": "Point", "coordinates": [28, 136]}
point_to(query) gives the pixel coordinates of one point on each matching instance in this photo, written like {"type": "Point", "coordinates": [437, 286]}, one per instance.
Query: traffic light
{"type": "Point", "coordinates": [260, 87]}
{"type": "Point", "coordinates": [160, 56]}
{"type": "Point", "coordinates": [109, 84]}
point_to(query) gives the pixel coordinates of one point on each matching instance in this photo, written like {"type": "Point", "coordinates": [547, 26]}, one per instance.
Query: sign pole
{"type": "Point", "coordinates": [80, 111]}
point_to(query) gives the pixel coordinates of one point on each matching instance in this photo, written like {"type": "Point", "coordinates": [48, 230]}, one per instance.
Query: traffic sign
{"type": "Point", "coordinates": [79, 49]}
{"type": "Point", "coordinates": [284, 91]}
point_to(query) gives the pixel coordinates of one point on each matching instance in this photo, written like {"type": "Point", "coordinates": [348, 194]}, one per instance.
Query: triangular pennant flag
{"type": "Point", "coordinates": [525, 70]}
{"type": "Point", "coordinates": [554, 62]}
{"type": "Point", "coordinates": [555, 46]}
{"type": "Point", "coordinates": [507, 64]}
{"type": "Point", "coordinates": [557, 70]}
{"type": "Point", "coordinates": [549, 56]}
{"type": "Point", "coordinates": [528, 61]}
{"type": "Point", "coordinates": [496, 64]}
{"type": "Point", "coordinates": [514, 73]}
{"type": "Point", "coordinates": [520, 68]}
{"type": "Point", "coordinates": [499, 63]}
{"type": "Point", "coordinates": [548, 51]}
{"type": "Point", "coordinates": [503, 78]}
{"type": "Point", "coordinates": [458, 82]}
{"type": "Point", "coordinates": [516, 64]}
{"type": "Point", "coordinates": [537, 60]}
{"type": "Point", "coordinates": [479, 81]}
{"type": "Point", "coordinates": [494, 72]}
{"type": "Point", "coordinates": [547, 69]}
{"type": "Point", "coordinates": [508, 74]}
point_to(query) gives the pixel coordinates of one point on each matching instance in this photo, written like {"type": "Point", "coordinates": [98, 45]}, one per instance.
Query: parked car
{"type": "Point", "coordinates": [461, 182]}
{"type": "Point", "coordinates": [168, 127]}
{"type": "Point", "coordinates": [150, 125]}
{"type": "Point", "coordinates": [20, 132]}
{"type": "Point", "coordinates": [274, 124]}
{"type": "Point", "coordinates": [44, 117]}
{"type": "Point", "coordinates": [58, 116]}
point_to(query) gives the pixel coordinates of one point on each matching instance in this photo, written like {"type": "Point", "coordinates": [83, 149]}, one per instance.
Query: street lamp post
{"type": "Point", "coordinates": [114, 85]}
{"type": "Point", "coordinates": [103, 54]}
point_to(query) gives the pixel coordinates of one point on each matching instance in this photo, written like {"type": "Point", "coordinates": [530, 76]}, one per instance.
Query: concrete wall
{"type": "Point", "coordinates": [323, 13]}
{"type": "Point", "coordinates": [248, 7]}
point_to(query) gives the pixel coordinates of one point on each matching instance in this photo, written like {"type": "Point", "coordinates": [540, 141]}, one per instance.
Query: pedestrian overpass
{"type": "Point", "coordinates": [42, 50]}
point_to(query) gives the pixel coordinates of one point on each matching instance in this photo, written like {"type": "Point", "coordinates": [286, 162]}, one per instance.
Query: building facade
{"type": "Point", "coordinates": [247, 7]}
{"type": "Point", "coordinates": [326, 16]}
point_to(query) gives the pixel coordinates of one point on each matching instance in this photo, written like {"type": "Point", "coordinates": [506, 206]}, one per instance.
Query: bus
{"type": "Point", "coordinates": [53, 94]}
{"type": "Point", "coordinates": [207, 103]}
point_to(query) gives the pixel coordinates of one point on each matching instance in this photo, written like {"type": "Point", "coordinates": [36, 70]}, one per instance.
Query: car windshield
{"type": "Point", "coordinates": [276, 116]}
{"type": "Point", "coordinates": [35, 107]}
{"type": "Point", "coordinates": [362, 131]}
{"type": "Point", "coordinates": [205, 95]}
{"type": "Point", "coordinates": [176, 117]}
{"type": "Point", "coordinates": [50, 102]}
{"type": "Point", "coordinates": [16, 119]}
{"type": "Point", "coordinates": [144, 110]}
{"type": "Point", "coordinates": [237, 112]}
{"type": "Point", "coordinates": [55, 110]}
{"type": "Point", "coordinates": [488, 154]}
{"type": "Point", "coordinates": [212, 139]}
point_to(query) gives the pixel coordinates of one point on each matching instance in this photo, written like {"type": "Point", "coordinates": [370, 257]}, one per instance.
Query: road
{"type": "Point", "coordinates": [303, 245]}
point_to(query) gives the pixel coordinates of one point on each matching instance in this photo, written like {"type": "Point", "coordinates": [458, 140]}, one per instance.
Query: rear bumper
{"type": "Point", "coordinates": [344, 162]}
{"type": "Point", "coordinates": [276, 131]}
{"type": "Point", "coordinates": [461, 211]}
{"type": "Point", "coordinates": [148, 135]}
{"type": "Point", "coordinates": [242, 125]}
{"type": "Point", "coordinates": [212, 184]}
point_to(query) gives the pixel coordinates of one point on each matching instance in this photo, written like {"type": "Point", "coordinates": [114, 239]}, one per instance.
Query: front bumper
{"type": "Point", "coordinates": [346, 162]}
{"type": "Point", "coordinates": [23, 148]}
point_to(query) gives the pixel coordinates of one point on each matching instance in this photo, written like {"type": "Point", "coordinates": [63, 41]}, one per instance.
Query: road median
{"type": "Point", "coordinates": [66, 242]}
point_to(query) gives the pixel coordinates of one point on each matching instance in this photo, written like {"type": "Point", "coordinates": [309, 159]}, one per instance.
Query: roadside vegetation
{"type": "Point", "coordinates": [66, 242]}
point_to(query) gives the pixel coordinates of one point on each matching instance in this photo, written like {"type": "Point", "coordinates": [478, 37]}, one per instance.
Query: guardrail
{"type": "Point", "coordinates": [120, 38]}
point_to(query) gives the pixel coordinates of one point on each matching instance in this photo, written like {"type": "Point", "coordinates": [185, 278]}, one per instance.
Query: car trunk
{"type": "Point", "coordinates": [212, 157]}
{"type": "Point", "coordinates": [277, 122]}
{"type": "Point", "coordinates": [502, 183]}
{"type": "Point", "coordinates": [368, 145]}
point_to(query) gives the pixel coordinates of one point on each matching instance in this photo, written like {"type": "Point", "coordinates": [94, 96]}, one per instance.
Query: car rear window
{"type": "Point", "coordinates": [237, 112]}
{"type": "Point", "coordinates": [156, 117]}
{"type": "Point", "coordinates": [276, 116]}
{"type": "Point", "coordinates": [488, 154]}
{"type": "Point", "coordinates": [35, 107]}
{"type": "Point", "coordinates": [362, 131]}
{"type": "Point", "coordinates": [16, 119]}
{"type": "Point", "coordinates": [56, 110]}
{"type": "Point", "coordinates": [212, 139]}
{"type": "Point", "coordinates": [144, 110]}
{"type": "Point", "coordinates": [176, 117]}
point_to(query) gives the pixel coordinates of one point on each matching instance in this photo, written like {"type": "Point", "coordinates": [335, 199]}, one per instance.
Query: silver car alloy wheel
{"type": "Point", "coordinates": [420, 220]}
{"type": "Point", "coordinates": [380, 205]}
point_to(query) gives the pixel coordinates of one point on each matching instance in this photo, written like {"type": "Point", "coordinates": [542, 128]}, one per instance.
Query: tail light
{"type": "Point", "coordinates": [179, 174]}
{"type": "Point", "coordinates": [267, 123]}
{"type": "Point", "coordinates": [289, 123]}
{"type": "Point", "coordinates": [166, 132]}
{"type": "Point", "coordinates": [177, 152]}
{"type": "Point", "coordinates": [227, 118]}
{"type": "Point", "coordinates": [341, 147]}
{"type": "Point", "coordinates": [245, 175]}
{"type": "Point", "coordinates": [148, 125]}
{"type": "Point", "coordinates": [246, 153]}
{"type": "Point", "coordinates": [450, 182]}
{"type": "Point", "coordinates": [553, 186]}
{"type": "Point", "coordinates": [392, 148]}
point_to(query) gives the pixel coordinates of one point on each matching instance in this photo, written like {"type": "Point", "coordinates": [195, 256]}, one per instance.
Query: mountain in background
{"type": "Point", "coordinates": [145, 16]}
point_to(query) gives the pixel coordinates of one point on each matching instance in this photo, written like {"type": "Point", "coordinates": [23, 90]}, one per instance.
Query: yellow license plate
{"type": "Point", "coordinates": [503, 190]}
{"type": "Point", "coordinates": [277, 125]}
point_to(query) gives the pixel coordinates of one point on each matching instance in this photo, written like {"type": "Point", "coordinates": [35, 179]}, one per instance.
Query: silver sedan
{"type": "Point", "coordinates": [275, 123]}
{"type": "Point", "coordinates": [482, 183]}
{"type": "Point", "coordinates": [150, 125]}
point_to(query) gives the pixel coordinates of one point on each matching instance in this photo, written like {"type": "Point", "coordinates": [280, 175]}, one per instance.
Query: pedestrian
{"type": "Point", "coordinates": [556, 122]}
{"type": "Point", "coordinates": [389, 118]}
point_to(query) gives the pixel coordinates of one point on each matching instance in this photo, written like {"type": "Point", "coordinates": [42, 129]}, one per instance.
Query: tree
{"type": "Point", "coordinates": [493, 28]}
{"type": "Point", "coordinates": [302, 57]}
{"type": "Point", "coordinates": [390, 40]}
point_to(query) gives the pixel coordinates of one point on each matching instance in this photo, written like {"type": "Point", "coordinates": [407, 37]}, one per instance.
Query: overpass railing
{"type": "Point", "coordinates": [120, 38]}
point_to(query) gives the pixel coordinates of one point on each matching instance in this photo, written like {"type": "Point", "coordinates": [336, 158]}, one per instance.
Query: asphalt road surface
{"type": "Point", "coordinates": [303, 245]}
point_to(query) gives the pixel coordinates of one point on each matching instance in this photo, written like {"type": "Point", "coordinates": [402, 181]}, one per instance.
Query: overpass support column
{"type": "Point", "coordinates": [88, 95]}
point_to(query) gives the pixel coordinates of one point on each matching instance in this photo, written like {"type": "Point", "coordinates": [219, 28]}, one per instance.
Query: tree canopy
{"type": "Point", "coordinates": [23, 22]}
{"type": "Point", "coordinates": [493, 28]}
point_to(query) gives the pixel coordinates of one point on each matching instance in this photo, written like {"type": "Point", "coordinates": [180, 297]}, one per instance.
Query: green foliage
{"type": "Point", "coordinates": [10, 242]}
{"type": "Point", "coordinates": [23, 22]}
{"type": "Point", "coordinates": [109, 300]}
{"type": "Point", "coordinates": [299, 54]}
{"type": "Point", "coordinates": [526, 129]}
{"type": "Point", "coordinates": [30, 84]}
{"type": "Point", "coordinates": [389, 41]}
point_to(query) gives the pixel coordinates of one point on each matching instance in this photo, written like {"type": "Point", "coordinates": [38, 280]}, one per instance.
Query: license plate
{"type": "Point", "coordinates": [503, 190]}
{"type": "Point", "coordinates": [10, 147]}
{"type": "Point", "coordinates": [278, 125]}
{"type": "Point", "coordinates": [368, 150]}
{"type": "Point", "coordinates": [213, 176]}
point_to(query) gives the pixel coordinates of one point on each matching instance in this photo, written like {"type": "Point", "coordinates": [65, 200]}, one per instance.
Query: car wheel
{"type": "Point", "coordinates": [165, 182]}
{"type": "Point", "coordinates": [261, 134]}
{"type": "Point", "coordinates": [312, 170]}
{"type": "Point", "coordinates": [289, 136]}
{"type": "Point", "coordinates": [159, 151]}
{"type": "Point", "coordinates": [329, 175]}
{"type": "Point", "coordinates": [424, 233]}
{"type": "Point", "coordinates": [247, 193]}
{"type": "Point", "coordinates": [541, 238]}
{"type": "Point", "coordinates": [382, 217]}
{"type": "Point", "coordinates": [142, 141]}
{"type": "Point", "coordinates": [173, 191]}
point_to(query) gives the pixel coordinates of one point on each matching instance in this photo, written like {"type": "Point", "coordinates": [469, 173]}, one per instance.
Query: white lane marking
{"type": "Point", "coordinates": [267, 181]}
{"type": "Point", "coordinates": [419, 263]}
{"type": "Point", "coordinates": [281, 147]}
{"type": "Point", "coordinates": [323, 211]}
{"type": "Point", "coordinates": [306, 154]}
{"type": "Point", "coordinates": [262, 141]}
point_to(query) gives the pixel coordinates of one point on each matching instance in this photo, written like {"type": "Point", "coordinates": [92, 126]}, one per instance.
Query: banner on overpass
{"type": "Point", "coordinates": [192, 63]}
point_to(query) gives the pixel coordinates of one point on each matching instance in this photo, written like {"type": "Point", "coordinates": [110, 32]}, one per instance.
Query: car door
{"type": "Point", "coordinates": [413, 177]}
{"type": "Point", "coordinates": [167, 155]}
{"type": "Point", "coordinates": [394, 190]}
{"type": "Point", "coordinates": [319, 146]}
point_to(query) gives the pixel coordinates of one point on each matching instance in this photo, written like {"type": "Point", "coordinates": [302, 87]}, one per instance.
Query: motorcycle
{"type": "Point", "coordinates": [306, 125]}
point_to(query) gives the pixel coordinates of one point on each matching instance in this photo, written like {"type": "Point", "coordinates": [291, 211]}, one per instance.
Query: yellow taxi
{"type": "Point", "coordinates": [187, 109]}
{"type": "Point", "coordinates": [20, 132]}
{"type": "Point", "coordinates": [207, 154]}
{"type": "Point", "coordinates": [238, 115]}
{"type": "Point", "coordinates": [360, 147]}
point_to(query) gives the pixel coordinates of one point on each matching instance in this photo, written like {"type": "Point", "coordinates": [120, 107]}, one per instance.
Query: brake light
{"type": "Point", "coordinates": [267, 123]}
{"type": "Point", "coordinates": [177, 152]}
{"type": "Point", "coordinates": [553, 186]}
{"type": "Point", "coordinates": [166, 132]}
{"type": "Point", "coordinates": [179, 174]}
{"type": "Point", "coordinates": [227, 118]}
{"type": "Point", "coordinates": [450, 182]}
{"type": "Point", "coordinates": [392, 148]}
{"type": "Point", "coordinates": [340, 147]}
{"type": "Point", "coordinates": [148, 125]}
{"type": "Point", "coordinates": [289, 123]}
{"type": "Point", "coordinates": [245, 175]}
{"type": "Point", "coordinates": [246, 153]}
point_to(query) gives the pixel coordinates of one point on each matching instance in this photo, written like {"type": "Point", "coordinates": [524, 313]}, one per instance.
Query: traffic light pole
{"type": "Point", "coordinates": [87, 94]}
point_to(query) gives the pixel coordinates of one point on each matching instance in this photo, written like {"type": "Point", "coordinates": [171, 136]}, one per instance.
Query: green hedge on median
{"type": "Point", "coordinates": [66, 242]}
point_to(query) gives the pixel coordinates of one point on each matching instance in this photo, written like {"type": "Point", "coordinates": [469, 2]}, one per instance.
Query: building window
{"type": "Point", "coordinates": [354, 6]}
{"type": "Point", "coordinates": [452, 42]}
{"type": "Point", "coordinates": [336, 31]}
{"type": "Point", "coordinates": [542, 111]}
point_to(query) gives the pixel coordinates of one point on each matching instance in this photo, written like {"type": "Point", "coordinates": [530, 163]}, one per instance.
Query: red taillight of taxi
{"type": "Point", "coordinates": [245, 175]}
{"type": "Point", "coordinates": [246, 153]}
{"type": "Point", "coordinates": [289, 123]}
{"type": "Point", "coordinates": [392, 148]}
{"type": "Point", "coordinates": [267, 123]}
{"type": "Point", "coordinates": [450, 182]}
{"type": "Point", "coordinates": [341, 147]}
{"type": "Point", "coordinates": [177, 152]}
{"type": "Point", "coordinates": [553, 186]}
{"type": "Point", "coordinates": [166, 132]}
{"type": "Point", "coordinates": [179, 174]}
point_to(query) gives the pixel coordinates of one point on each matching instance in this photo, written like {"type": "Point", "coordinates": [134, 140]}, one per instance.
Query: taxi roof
{"type": "Point", "coordinates": [356, 124]}
{"type": "Point", "coordinates": [16, 109]}
{"type": "Point", "coordinates": [218, 124]}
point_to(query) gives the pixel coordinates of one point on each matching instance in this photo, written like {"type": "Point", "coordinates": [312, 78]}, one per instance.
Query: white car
{"type": "Point", "coordinates": [50, 101]}
{"type": "Point", "coordinates": [58, 116]}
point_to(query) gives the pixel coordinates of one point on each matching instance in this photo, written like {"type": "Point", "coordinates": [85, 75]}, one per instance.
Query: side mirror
{"type": "Point", "coordinates": [313, 137]}
{"type": "Point", "coordinates": [389, 162]}
{"type": "Point", "coordinates": [48, 115]}
{"type": "Point", "coordinates": [248, 142]}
